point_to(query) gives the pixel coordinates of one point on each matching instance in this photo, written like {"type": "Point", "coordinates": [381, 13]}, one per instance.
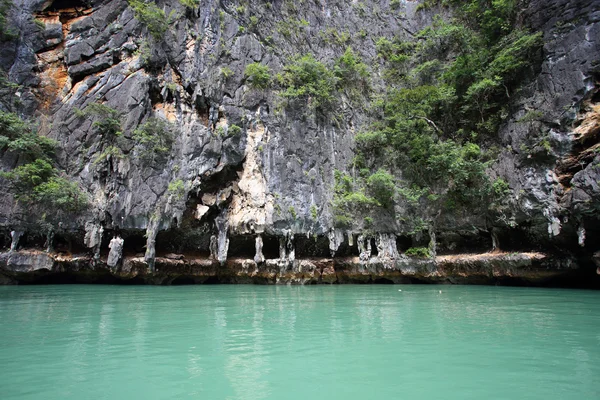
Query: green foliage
{"type": "Point", "coordinates": [38, 184]}
{"type": "Point", "coordinates": [381, 185]}
{"type": "Point", "coordinates": [351, 71]}
{"type": "Point", "coordinates": [259, 75]}
{"type": "Point", "coordinates": [40, 24]}
{"type": "Point", "coordinates": [447, 94]}
{"type": "Point", "coordinates": [176, 189]}
{"type": "Point", "coordinates": [154, 138]}
{"type": "Point", "coordinates": [531, 116]}
{"type": "Point", "coordinates": [422, 252]}
{"type": "Point", "coordinates": [153, 17]}
{"type": "Point", "coordinates": [500, 187]}
{"type": "Point", "coordinates": [313, 212]}
{"type": "Point", "coordinates": [307, 79]}
{"type": "Point", "coordinates": [190, 3]}
{"type": "Point", "coordinates": [234, 130]}
{"type": "Point", "coordinates": [58, 193]}
{"type": "Point", "coordinates": [108, 154]}
{"type": "Point", "coordinates": [291, 27]}
{"type": "Point", "coordinates": [226, 72]}
{"type": "Point", "coordinates": [349, 200]}
{"type": "Point", "coordinates": [292, 211]}
{"type": "Point", "coordinates": [106, 119]}
{"type": "Point", "coordinates": [335, 36]}
{"type": "Point", "coordinates": [5, 32]}
{"type": "Point", "coordinates": [253, 22]}
{"type": "Point", "coordinates": [28, 176]}
{"type": "Point", "coordinates": [19, 137]}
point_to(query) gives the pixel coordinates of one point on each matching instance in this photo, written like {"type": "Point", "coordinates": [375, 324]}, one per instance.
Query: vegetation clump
{"type": "Point", "coordinates": [422, 252]}
{"type": "Point", "coordinates": [308, 79]}
{"type": "Point", "coordinates": [447, 94]}
{"type": "Point", "coordinates": [154, 139]}
{"type": "Point", "coordinates": [153, 17]}
{"type": "Point", "coordinates": [5, 32]}
{"type": "Point", "coordinates": [36, 182]}
{"type": "Point", "coordinates": [259, 75]}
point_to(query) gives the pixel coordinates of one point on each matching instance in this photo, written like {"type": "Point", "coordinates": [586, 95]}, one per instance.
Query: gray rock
{"type": "Point", "coordinates": [116, 251]}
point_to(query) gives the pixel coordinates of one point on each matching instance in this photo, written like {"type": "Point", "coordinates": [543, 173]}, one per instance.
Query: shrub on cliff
{"type": "Point", "coordinates": [310, 80]}
{"type": "Point", "coordinates": [19, 137]}
{"type": "Point", "coordinates": [259, 75]}
{"type": "Point", "coordinates": [154, 18]}
{"type": "Point", "coordinates": [38, 184]}
{"type": "Point", "coordinates": [154, 139]}
{"type": "Point", "coordinates": [106, 119]}
{"type": "Point", "coordinates": [5, 31]}
{"type": "Point", "coordinates": [448, 92]}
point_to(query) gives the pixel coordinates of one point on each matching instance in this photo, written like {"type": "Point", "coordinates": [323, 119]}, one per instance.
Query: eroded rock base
{"type": "Point", "coordinates": [528, 269]}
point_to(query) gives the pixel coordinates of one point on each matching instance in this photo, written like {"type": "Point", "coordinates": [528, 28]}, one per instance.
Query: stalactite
{"type": "Point", "coordinates": [213, 247]}
{"type": "Point", "coordinates": [495, 240]}
{"type": "Point", "coordinates": [364, 247]}
{"type": "Point", "coordinates": [291, 251]}
{"type": "Point", "coordinates": [93, 237]}
{"type": "Point", "coordinates": [15, 236]}
{"type": "Point", "coordinates": [581, 235]}
{"type": "Point", "coordinates": [151, 232]}
{"type": "Point", "coordinates": [282, 248]}
{"type": "Point", "coordinates": [386, 246]}
{"type": "Point", "coordinates": [116, 251]}
{"type": "Point", "coordinates": [50, 241]}
{"type": "Point", "coordinates": [222, 238]}
{"type": "Point", "coordinates": [336, 238]}
{"type": "Point", "coordinates": [259, 258]}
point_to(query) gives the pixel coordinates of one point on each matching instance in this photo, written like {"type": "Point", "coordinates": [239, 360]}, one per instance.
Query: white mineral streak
{"type": "Point", "coordinates": [581, 235]}
{"type": "Point", "coordinates": [251, 208]}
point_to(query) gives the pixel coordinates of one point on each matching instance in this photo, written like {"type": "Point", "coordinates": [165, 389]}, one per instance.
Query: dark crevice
{"type": "Point", "coordinates": [59, 5]}
{"type": "Point", "coordinates": [242, 246]}
{"type": "Point", "coordinates": [270, 246]}
{"type": "Point", "coordinates": [313, 246]}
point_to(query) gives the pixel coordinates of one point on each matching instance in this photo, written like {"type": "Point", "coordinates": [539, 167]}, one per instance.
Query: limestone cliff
{"type": "Point", "coordinates": [248, 174]}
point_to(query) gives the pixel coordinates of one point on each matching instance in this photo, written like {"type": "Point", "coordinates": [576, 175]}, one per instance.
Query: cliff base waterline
{"type": "Point", "coordinates": [524, 268]}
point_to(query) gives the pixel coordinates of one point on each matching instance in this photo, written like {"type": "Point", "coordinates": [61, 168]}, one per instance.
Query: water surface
{"type": "Point", "coordinates": [325, 342]}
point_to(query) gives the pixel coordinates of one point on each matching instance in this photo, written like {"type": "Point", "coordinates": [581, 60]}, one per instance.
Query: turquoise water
{"type": "Point", "coordinates": [325, 342]}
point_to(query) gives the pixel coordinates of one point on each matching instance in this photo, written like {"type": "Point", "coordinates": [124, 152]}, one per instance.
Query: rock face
{"type": "Point", "coordinates": [247, 177]}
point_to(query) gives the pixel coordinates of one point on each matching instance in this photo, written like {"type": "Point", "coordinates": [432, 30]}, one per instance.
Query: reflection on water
{"type": "Point", "coordinates": [257, 342]}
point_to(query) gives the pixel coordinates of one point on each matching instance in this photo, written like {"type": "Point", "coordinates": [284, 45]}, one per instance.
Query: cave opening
{"type": "Point", "coordinates": [69, 242]}
{"type": "Point", "coordinates": [242, 246]}
{"type": "Point", "coordinates": [463, 242]}
{"type": "Point", "coordinates": [374, 251]}
{"type": "Point", "coordinates": [192, 242]}
{"type": "Point", "coordinates": [345, 250]}
{"type": "Point", "coordinates": [313, 246]}
{"type": "Point", "coordinates": [403, 243]}
{"type": "Point", "coordinates": [134, 242]}
{"type": "Point", "coordinates": [183, 280]}
{"type": "Point", "coordinates": [383, 281]}
{"type": "Point", "coordinates": [270, 247]}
